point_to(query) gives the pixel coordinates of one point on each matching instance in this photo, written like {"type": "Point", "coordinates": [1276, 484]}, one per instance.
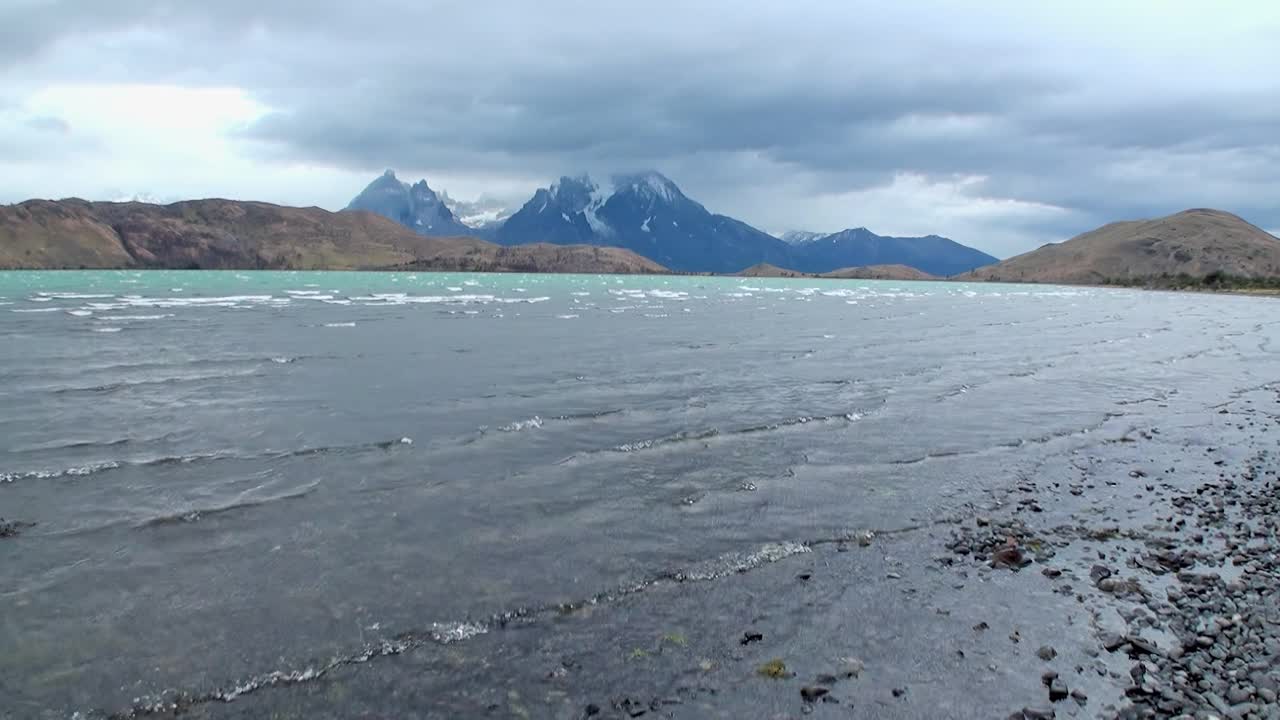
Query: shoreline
{"type": "Point", "coordinates": [1129, 576]}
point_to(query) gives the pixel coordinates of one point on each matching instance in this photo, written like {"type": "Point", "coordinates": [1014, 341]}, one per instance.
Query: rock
{"type": "Point", "coordinates": [1266, 695]}
{"type": "Point", "coordinates": [1099, 572]}
{"type": "Point", "coordinates": [1079, 697]}
{"type": "Point", "coordinates": [1140, 646]}
{"type": "Point", "coordinates": [983, 521]}
{"type": "Point", "coordinates": [1046, 653]}
{"type": "Point", "coordinates": [1009, 557]}
{"type": "Point", "coordinates": [1029, 713]}
{"type": "Point", "coordinates": [1237, 695]}
{"type": "Point", "coordinates": [1047, 677]}
{"type": "Point", "coordinates": [864, 537]}
{"type": "Point", "coordinates": [899, 692]}
{"type": "Point", "coordinates": [1112, 641]}
{"type": "Point", "coordinates": [813, 694]}
{"type": "Point", "coordinates": [592, 710]}
{"type": "Point", "coordinates": [1051, 573]}
{"type": "Point", "coordinates": [750, 637]}
{"type": "Point", "coordinates": [980, 627]}
{"type": "Point", "coordinates": [1057, 691]}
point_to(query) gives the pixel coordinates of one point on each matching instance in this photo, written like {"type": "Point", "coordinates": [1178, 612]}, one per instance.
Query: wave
{"type": "Point", "coordinates": [8, 477]}
{"type": "Point", "coordinates": [221, 455]}
{"type": "Point", "coordinates": [196, 514]}
{"type": "Point", "coordinates": [1010, 444]}
{"type": "Point", "coordinates": [688, 436]}
{"type": "Point", "coordinates": [537, 421]}
{"type": "Point", "coordinates": [108, 388]}
{"type": "Point", "coordinates": [174, 702]}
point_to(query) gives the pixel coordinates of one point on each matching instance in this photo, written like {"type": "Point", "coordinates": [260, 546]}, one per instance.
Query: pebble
{"type": "Point", "coordinates": [1057, 691]}
{"type": "Point", "coordinates": [813, 694]}
{"type": "Point", "coordinates": [1046, 653]}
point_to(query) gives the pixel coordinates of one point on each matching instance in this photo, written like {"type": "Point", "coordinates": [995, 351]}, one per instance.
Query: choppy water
{"type": "Point", "coordinates": [239, 474]}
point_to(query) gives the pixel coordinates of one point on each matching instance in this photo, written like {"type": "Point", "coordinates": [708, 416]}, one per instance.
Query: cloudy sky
{"type": "Point", "coordinates": [1001, 124]}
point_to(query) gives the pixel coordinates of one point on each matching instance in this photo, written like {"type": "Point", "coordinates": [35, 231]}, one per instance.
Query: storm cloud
{"type": "Point", "coordinates": [1002, 126]}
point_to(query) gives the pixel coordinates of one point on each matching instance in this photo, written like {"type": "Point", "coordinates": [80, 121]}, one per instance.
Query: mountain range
{"type": "Point", "coordinates": [648, 214]}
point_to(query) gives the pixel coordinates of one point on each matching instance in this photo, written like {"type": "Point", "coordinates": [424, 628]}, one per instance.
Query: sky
{"type": "Point", "coordinates": [1003, 125]}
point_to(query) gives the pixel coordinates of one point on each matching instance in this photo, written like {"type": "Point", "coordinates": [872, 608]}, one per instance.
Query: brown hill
{"type": "Point", "coordinates": [881, 272]}
{"type": "Point", "coordinates": [227, 234]}
{"type": "Point", "coordinates": [1193, 243]}
{"type": "Point", "coordinates": [771, 271]}
{"type": "Point", "coordinates": [868, 272]}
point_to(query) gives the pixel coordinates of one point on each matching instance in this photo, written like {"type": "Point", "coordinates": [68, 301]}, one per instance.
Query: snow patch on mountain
{"type": "Point", "coordinates": [483, 212]}
{"type": "Point", "coordinates": [801, 237]}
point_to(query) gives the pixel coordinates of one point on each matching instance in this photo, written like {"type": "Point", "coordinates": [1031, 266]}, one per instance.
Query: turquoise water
{"type": "Point", "coordinates": [231, 282]}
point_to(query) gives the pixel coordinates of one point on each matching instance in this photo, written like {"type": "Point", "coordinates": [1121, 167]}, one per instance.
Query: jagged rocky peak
{"type": "Point", "coordinates": [415, 206]}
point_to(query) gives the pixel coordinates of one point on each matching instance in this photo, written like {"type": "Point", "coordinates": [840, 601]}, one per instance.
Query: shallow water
{"type": "Point", "coordinates": [234, 474]}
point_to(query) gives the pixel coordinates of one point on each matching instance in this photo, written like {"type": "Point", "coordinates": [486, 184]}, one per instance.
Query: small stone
{"type": "Point", "coordinates": [813, 694]}
{"type": "Point", "coordinates": [899, 692]}
{"type": "Point", "coordinates": [1112, 641]}
{"type": "Point", "coordinates": [750, 637]}
{"type": "Point", "coordinates": [981, 627]}
{"type": "Point", "coordinates": [1029, 713]}
{"type": "Point", "coordinates": [1047, 677]}
{"type": "Point", "coordinates": [1267, 695]}
{"type": "Point", "coordinates": [851, 667]}
{"type": "Point", "coordinates": [1009, 557]}
{"type": "Point", "coordinates": [1057, 691]}
{"type": "Point", "coordinates": [1099, 572]}
{"type": "Point", "coordinates": [592, 710]}
{"type": "Point", "coordinates": [1237, 695]}
{"type": "Point", "coordinates": [1047, 653]}
{"type": "Point", "coordinates": [1051, 573]}
{"type": "Point", "coordinates": [1079, 697]}
{"type": "Point", "coordinates": [983, 521]}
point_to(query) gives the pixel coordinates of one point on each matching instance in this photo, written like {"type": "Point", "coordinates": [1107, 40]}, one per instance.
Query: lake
{"type": "Point", "coordinates": [240, 478]}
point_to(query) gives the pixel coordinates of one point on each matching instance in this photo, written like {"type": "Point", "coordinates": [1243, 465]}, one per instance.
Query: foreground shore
{"type": "Point", "coordinates": [1131, 577]}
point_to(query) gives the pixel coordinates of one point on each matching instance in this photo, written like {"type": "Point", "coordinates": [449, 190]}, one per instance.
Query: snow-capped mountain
{"type": "Point", "coordinates": [415, 206]}
{"type": "Point", "coordinates": [644, 212]}
{"type": "Point", "coordinates": [484, 213]}
{"type": "Point", "coordinates": [648, 214]}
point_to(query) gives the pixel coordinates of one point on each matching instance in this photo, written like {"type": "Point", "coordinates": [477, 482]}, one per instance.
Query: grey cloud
{"type": "Point", "coordinates": [816, 97]}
